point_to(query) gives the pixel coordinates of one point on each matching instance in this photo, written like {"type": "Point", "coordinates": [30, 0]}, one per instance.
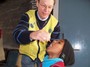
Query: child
{"type": "Point", "coordinates": [60, 54]}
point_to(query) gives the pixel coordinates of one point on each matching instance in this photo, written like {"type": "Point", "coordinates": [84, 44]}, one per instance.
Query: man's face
{"type": "Point", "coordinates": [44, 7]}
{"type": "Point", "coordinates": [55, 47]}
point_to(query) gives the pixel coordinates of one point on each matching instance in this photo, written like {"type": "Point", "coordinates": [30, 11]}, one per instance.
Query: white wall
{"type": "Point", "coordinates": [56, 7]}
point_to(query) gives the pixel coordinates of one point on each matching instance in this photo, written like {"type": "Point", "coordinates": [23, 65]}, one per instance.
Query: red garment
{"type": "Point", "coordinates": [58, 64]}
{"type": "Point", "coordinates": [0, 33]}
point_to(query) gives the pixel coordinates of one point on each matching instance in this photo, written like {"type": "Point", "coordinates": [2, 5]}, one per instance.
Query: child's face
{"type": "Point", "coordinates": [55, 47]}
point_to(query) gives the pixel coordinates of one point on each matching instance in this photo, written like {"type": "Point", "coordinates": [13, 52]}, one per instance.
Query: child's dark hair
{"type": "Point", "coordinates": [68, 53]}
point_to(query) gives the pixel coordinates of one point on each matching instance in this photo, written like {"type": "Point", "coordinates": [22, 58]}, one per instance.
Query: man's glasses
{"type": "Point", "coordinates": [45, 6]}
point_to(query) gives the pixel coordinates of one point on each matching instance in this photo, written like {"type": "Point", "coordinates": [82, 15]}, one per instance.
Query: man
{"type": "Point", "coordinates": [35, 29]}
{"type": "Point", "coordinates": [60, 54]}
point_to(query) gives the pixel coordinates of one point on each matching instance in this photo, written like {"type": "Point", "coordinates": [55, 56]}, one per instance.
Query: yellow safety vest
{"type": "Point", "coordinates": [31, 49]}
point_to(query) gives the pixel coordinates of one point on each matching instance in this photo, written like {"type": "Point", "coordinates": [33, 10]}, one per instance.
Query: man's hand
{"type": "Point", "coordinates": [40, 35]}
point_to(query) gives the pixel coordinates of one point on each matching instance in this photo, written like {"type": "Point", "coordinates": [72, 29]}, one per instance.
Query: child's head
{"type": "Point", "coordinates": [55, 48]}
{"type": "Point", "coordinates": [62, 49]}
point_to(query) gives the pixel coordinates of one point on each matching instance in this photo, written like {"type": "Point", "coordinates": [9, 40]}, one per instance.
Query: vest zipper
{"type": "Point", "coordinates": [38, 48]}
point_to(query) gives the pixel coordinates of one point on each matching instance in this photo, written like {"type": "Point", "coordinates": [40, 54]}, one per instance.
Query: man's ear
{"type": "Point", "coordinates": [37, 3]}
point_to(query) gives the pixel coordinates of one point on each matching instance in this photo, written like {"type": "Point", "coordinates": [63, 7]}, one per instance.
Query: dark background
{"type": "Point", "coordinates": [10, 13]}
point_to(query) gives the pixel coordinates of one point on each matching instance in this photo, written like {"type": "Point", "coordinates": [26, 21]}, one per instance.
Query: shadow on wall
{"type": "Point", "coordinates": [10, 13]}
{"type": "Point", "coordinates": [2, 1]}
{"type": "Point", "coordinates": [9, 18]}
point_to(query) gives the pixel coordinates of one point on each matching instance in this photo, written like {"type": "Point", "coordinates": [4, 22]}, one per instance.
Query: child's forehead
{"type": "Point", "coordinates": [59, 40]}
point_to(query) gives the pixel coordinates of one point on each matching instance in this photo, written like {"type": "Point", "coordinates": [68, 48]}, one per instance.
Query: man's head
{"type": "Point", "coordinates": [44, 7]}
{"type": "Point", "coordinates": [54, 1]}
